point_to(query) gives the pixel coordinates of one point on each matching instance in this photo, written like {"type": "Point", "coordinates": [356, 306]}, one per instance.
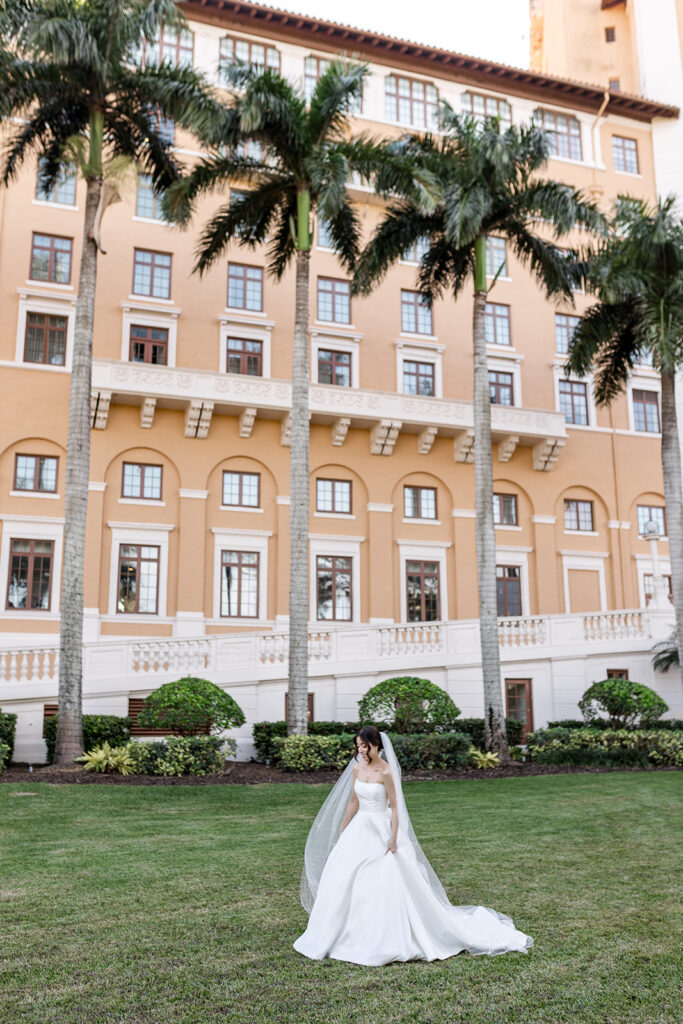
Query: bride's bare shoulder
{"type": "Point", "coordinates": [386, 772]}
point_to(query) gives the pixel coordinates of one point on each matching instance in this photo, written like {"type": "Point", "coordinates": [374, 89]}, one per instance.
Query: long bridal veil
{"type": "Point", "coordinates": [324, 832]}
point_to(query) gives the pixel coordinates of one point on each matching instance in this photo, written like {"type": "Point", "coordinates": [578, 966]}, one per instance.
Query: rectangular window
{"type": "Point", "coordinates": [500, 388]}
{"type": "Point", "coordinates": [574, 401]}
{"type": "Point", "coordinates": [334, 300]}
{"type": "Point", "coordinates": [325, 240]}
{"type": "Point", "coordinates": [422, 591]}
{"type": "Point", "coordinates": [614, 85]}
{"type": "Point", "coordinates": [409, 101]}
{"type": "Point", "coordinates": [172, 45]}
{"type": "Point", "coordinates": [610, 34]}
{"type": "Point", "coordinates": [496, 257]}
{"type": "Point", "coordinates": [30, 574]}
{"type": "Point", "coordinates": [505, 509]}
{"type": "Point", "coordinates": [138, 579]}
{"type": "Point", "coordinates": [617, 673]}
{"type": "Point", "coordinates": [518, 704]}
{"type": "Point", "coordinates": [333, 496]}
{"type": "Point", "coordinates": [333, 588]}
{"type": "Point", "coordinates": [646, 411]}
{"type": "Point", "coordinates": [656, 513]}
{"type": "Point", "coordinates": [509, 590]}
{"type": "Point", "coordinates": [481, 107]}
{"type": "Point", "coordinates": [565, 326]}
{"type": "Point", "coordinates": [625, 154]}
{"type": "Point", "coordinates": [418, 378]}
{"type": "Point", "coordinates": [417, 250]}
{"type": "Point", "coordinates": [239, 584]}
{"type": "Point", "coordinates": [64, 189]}
{"type": "Point", "coordinates": [578, 515]}
{"type": "Point", "coordinates": [152, 274]}
{"type": "Point", "coordinates": [242, 489]}
{"type": "Point", "coordinates": [334, 368]}
{"type": "Point", "coordinates": [51, 259]}
{"type": "Point", "coordinates": [147, 203]}
{"type": "Point", "coordinates": [244, 51]}
{"type": "Point", "coordinates": [245, 287]}
{"type": "Point", "coordinates": [141, 480]}
{"type": "Point", "coordinates": [497, 324]}
{"type": "Point", "coordinates": [565, 133]}
{"type": "Point", "coordinates": [649, 587]}
{"type": "Point", "coordinates": [35, 473]}
{"type": "Point", "coordinates": [416, 314]}
{"type": "Point", "coordinates": [419, 502]}
{"type": "Point", "coordinates": [245, 356]}
{"type": "Point", "coordinates": [45, 339]}
{"type": "Point", "coordinates": [148, 345]}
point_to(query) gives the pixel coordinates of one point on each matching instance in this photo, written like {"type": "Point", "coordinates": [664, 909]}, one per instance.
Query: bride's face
{"type": "Point", "coordinates": [366, 750]}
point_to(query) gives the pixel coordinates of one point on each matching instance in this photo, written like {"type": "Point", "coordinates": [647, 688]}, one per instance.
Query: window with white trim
{"type": "Point", "coordinates": [333, 496]}
{"type": "Point", "coordinates": [564, 133]}
{"type": "Point", "coordinates": [241, 489]}
{"type": "Point", "coordinates": [416, 313]}
{"type": "Point", "coordinates": [62, 192]}
{"type": "Point", "coordinates": [578, 515]}
{"type": "Point", "coordinates": [565, 325]}
{"type": "Point", "coordinates": [411, 102]}
{"type": "Point", "coordinates": [656, 513]}
{"type": "Point", "coordinates": [496, 256]}
{"type": "Point", "coordinates": [419, 502]}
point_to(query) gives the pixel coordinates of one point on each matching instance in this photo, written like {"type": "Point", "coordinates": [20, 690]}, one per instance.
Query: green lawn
{"type": "Point", "coordinates": [137, 905]}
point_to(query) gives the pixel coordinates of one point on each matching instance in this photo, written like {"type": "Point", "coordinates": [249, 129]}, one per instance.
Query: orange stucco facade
{"type": "Point", "coordinates": [197, 421]}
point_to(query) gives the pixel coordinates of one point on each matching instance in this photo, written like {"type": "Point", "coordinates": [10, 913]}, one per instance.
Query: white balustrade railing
{"type": "Point", "coordinates": [256, 655]}
{"type": "Point", "coordinates": [522, 632]}
{"type": "Point", "coordinates": [614, 626]}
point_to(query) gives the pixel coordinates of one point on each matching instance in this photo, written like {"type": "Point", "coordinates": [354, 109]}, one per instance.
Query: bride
{"type": "Point", "coordinates": [371, 893]}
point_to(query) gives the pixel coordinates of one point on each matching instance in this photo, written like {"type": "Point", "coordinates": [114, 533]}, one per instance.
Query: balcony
{"type": "Point", "coordinates": [202, 394]}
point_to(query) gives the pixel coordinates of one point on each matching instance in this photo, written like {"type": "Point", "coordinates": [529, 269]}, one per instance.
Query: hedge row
{"type": "Point", "coordinates": [4, 756]}
{"type": "Point", "coordinates": [266, 733]}
{"type": "Point", "coordinates": [8, 725]}
{"type": "Point", "coordinates": [414, 750]}
{"type": "Point", "coordinates": [603, 723]}
{"type": "Point", "coordinates": [97, 729]}
{"type": "Point", "coordinates": [181, 755]}
{"type": "Point", "coordinates": [606, 747]}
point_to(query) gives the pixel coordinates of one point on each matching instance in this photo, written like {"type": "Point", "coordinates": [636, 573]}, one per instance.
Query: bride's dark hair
{"type": "Point", "coordinates": [370, 735]}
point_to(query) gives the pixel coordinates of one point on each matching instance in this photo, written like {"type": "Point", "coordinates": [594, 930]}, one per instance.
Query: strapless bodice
{"type": "Point", "coordinates": [372, 796]}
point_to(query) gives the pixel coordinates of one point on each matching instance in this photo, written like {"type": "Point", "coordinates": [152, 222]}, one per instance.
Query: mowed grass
{"type": "Point", "coordinates": [136, 905]}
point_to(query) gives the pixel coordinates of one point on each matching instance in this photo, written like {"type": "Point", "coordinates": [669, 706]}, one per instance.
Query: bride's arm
{"type": "Point", "coordinates": [391, 793]}
{"type": "Point", "coordinates": [351, 808]}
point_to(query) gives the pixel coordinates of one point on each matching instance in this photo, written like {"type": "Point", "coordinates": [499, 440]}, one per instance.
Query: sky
{"type": "Point", "coordinates": [495, 29]}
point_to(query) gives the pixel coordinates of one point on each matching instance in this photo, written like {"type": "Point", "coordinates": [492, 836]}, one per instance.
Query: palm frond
{"type": "Point", "coordinates": [553, 268]}
{"type": "Point", "coordinates": [402, 225]}
{"type": "Point", "coordinates": [604, 341]}
{"type": "Point", "coordinates": [282, 246]}
{"type": "Point", "coordinates": [340, 84]}
{"type": "Point", "coordinates": [345, 231]}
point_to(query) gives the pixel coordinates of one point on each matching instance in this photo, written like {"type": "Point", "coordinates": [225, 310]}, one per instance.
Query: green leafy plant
{"type": "Point", "coordinates": [517, 753]}
{"type": "Point", "coordinates": [181, 755]}
{"type": "Point", "coordinates": [474, 727]}
{"type": "Point", "coordinates": [627, 704]}
{"type": "Point", "coordinates": [8, 725]}
{"type": "Point", "coordinates": [97, 729]}
{"type": "Point", "coordinates": [4, 755]}
{"type": "Point", "coordinates": [484, 758]}
{"type": "Point", "coordinates": [408, 704]}
{"type": "Point", "coordinates": [606, 747]}
{"type": "Point", "coordinates": [416, 751]}
{"type": "Point", "coordinates": [190, 706]}
{"type": "Point", "coordinates": [264, 734]}
{"type": "Point", "coordinates": [314, 753]}
{"type": "Point", "coordinates": [108, 759]}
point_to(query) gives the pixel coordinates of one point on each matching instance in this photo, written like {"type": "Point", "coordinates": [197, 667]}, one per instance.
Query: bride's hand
{"type": "Point", "coordinates": [391, 846]}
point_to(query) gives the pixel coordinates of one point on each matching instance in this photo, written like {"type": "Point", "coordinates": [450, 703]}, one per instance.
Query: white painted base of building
{"type": "Point", "coordinates": [561, 655]}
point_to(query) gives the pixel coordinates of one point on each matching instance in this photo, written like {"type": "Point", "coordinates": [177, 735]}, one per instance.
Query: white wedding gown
{"type": "Point", "coordinates": [374, 907]}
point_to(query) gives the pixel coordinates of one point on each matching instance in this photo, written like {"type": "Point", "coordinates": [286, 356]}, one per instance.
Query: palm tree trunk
{"type": "Point", "coordinates": [494, 715]}
{"type": "Point", "coordinates": [297, 683]}
{"type": "Point", "coordinates": [69, 743]}
{"type": "Point", "coordinates": [673, 493]}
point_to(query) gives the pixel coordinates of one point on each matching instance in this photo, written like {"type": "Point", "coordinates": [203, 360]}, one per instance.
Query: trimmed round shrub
{"type": "Point", "coordinates": [628, 705]}
{"type": "Point", "coordinates": [408, 704]}
{"type": "Point", "coordinates": [97, 729]}
{"type": "Point", "coordinates": [190, 707]}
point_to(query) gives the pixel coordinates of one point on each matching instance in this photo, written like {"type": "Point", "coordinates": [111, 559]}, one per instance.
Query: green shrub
{"type": "Point", "coordinates": [97, 729]}
{"type": "Point", "coordinates": [627, 704]}
{"type": "Point", "coordinates": [190, 706]}
{"type": "Point", "coordinates": [4, 756]}
{"type": "Point", "coordinates": [474, 727]}
{"type": "Point", "coordinates": [606, 747]}
{"type": "Point", "coordinates": [413, 751]}
{"type": "Point", "coordinates": [408, 704]}
{"type": "Point", "coordinates": [313, 753]}
{"type": "Point", "coordinates": [8, 725]}
{"type": "Point", "coordinates": [181, 755]}
{"type": "Point", "coordinates": [108, 759]}
{"type": "Point", "coordinates": [484, 758]}
{"type": "Point", "coordinates": [264, 734]}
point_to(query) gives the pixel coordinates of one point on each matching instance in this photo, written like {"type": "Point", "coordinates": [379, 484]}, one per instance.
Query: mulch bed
{"type": "Point", "coordinates": [253, 773]}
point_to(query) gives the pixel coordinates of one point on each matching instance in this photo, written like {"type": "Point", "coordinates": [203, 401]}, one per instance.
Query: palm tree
{"type": "Point", "coordinates": [68, 70]}
{"type": "Point", "coordinates": [303, 157]}
{"type": "Point", "coordinates": [490, 185]}
{"type": "Point", "coordinates": [637, 276]}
